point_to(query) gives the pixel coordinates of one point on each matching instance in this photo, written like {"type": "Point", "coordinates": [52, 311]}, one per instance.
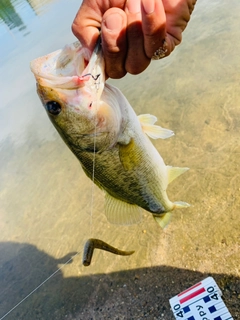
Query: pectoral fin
{"type": "Point", "coordinates": [129, 155]}
{"type": "Point", "coordinates": [174, 172]}
{"type": "Point", "coordinates": [120, 212]}
{"type": "Point", "coordinates": [153, 131]}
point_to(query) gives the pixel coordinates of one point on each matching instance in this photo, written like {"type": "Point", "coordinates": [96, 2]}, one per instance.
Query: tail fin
{"type": "Point", "coordinates": [164, 220]}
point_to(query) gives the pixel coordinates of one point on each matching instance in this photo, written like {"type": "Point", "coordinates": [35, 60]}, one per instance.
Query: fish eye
{"type": "Point", "coordinates": [53, 107]}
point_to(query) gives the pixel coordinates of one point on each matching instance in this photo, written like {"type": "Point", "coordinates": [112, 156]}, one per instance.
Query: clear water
{"type": "Point", "coordinates": [49, 208]}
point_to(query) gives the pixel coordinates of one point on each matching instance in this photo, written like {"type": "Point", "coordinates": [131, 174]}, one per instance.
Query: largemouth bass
{"type": "Point", "coordinates": [101, 128]}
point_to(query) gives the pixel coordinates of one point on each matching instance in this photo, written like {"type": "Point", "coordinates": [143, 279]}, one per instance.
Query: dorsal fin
{"type": "Point", "coordinates": [120, 212]}
{"type": "Point", "coordinates": [153, 131]}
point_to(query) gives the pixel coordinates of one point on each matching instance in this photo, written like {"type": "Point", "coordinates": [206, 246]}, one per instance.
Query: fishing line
{"type": "Point", "coordinates": [94, 154]}
{"type": "Point", "coordinates": [91, 215]}
{"type": "Point", "coordinates": [96, 99]}
{"type": "Point", "coordinates": [97, 79]}
{"type": "Point", "coordinates": [39, 286]}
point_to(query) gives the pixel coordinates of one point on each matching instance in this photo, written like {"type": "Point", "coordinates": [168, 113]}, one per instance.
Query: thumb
{"type": "Point", "coordinates": [86, 25]}
{"type": "Point", "coordinates": [114, 42]}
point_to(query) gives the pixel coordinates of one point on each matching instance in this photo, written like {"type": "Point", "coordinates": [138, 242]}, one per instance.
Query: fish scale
{"type": "Point", "coordinates": [92, 116]}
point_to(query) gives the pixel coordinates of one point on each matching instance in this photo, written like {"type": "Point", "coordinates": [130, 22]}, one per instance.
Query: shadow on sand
{"type": "Point", "coordinates": [133, 294]}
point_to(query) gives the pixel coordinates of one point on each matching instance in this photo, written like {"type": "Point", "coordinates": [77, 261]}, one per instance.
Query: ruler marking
{"type": "Point", "coordinates": [189, 289]}
{"type": "Point", "coordinates": [204, 296]}
{"type": "Point", "coordinates": [192, 295]}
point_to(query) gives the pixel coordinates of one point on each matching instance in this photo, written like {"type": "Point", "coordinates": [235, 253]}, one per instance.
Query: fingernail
{"type": "Point", "coordinates": [113, 21]}
{"type": "Point", "coordinates": [134, 6]}
{"type": "Point", "coordinates": [148, 6]}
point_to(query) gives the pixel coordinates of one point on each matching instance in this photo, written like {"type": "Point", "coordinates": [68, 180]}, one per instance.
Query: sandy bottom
{"type": "Point", "coordinates": [49, 208]}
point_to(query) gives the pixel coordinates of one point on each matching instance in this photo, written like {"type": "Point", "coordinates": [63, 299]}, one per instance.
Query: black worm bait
{"type": "Point", "coordinates": [92, 244]}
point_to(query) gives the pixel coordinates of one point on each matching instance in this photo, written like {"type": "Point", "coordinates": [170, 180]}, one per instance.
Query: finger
{"type": "Point", "coordinates": [191, 5]}
{"type": "Point", "coordinates": [153, 25]}
{"type": "Point", "coordinates": [114, 42]}
{"type": "Point", "coordinates": [86, 25]}
{"type": "Point", "coordinates": [136, 60]}
{"type": "Point", "coordinates": [178, 14]}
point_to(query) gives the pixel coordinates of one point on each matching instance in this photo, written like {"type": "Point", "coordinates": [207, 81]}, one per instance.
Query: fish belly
{"type": "Point", "coordinates": [140, 186]}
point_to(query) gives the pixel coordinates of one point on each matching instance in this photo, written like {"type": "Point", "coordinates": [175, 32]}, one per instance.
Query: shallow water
{"type": "Point", "coordinates": [49, 208]}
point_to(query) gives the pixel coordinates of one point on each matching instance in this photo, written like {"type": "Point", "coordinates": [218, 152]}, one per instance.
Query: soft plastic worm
{"type": "Point", "coordinates": [92, 244]}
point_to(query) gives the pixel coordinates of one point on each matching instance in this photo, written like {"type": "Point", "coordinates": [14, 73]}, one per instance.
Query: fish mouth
{"type": "Point", "coordinates": [69, 68]}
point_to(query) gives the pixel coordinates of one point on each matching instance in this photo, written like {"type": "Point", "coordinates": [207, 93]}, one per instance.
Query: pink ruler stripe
{"type": "Point", "coordinates": [189, 289]}
{"type": "Point", "coordinates": [192, 295]}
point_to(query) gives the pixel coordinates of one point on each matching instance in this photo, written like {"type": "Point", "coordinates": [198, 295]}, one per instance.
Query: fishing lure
{"type": "Point", "coordinates": [92, 244]}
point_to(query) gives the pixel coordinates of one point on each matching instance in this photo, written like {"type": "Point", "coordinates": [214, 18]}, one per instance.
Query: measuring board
{"type": "Point", "coordinates": [200, 302]}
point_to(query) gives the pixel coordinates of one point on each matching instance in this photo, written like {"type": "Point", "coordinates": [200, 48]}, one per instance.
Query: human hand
{"type": "Point", "coordinates": [132, 30]}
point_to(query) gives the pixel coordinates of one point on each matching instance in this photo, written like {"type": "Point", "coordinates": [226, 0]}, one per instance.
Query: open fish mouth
{"type": "Point", "coordinates": [67, 68]}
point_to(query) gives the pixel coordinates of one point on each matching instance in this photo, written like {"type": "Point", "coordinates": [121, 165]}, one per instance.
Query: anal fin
{"type": "Point", "coordinates": [120, 212]}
